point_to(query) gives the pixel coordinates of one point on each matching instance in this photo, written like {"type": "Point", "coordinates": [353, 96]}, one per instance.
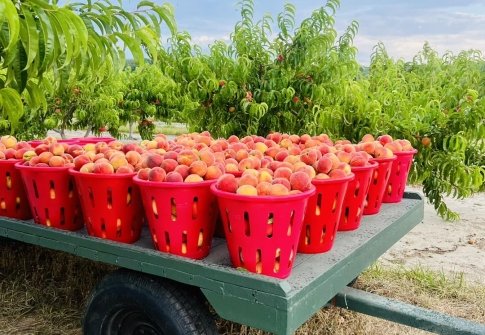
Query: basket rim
{"type": "Point", "coordinates": [263, 198]}
{"type": "Point", "coordinates": [348, 177]}
{"type": "Point", "coordinates": [75, 173]}
{"type": "Point", "coordinates": [408, 152]}
{"type": "Point", "coordinates": [20, 165]}
{"type": "Point", "coordinates": [167, 184]}
{"type": "Point", "coordinates": [371, 165]}
{"type": "Point", "coordinates": [10, 161]}
{"type": "Point", "coordinates": [384, 160]}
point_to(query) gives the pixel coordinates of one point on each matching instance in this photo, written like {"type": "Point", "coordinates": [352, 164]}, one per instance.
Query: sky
{"type": "Point", "coordinates": [402, 26]}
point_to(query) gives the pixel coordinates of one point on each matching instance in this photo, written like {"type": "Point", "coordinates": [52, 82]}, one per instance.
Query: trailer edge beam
{"type": "Point", "coordinates": [406, 314]}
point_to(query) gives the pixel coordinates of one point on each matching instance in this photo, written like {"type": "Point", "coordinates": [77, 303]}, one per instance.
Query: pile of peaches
{"type": "Point", "coordinates": [278, 164]}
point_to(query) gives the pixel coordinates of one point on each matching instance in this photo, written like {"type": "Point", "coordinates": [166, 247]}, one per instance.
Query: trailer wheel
{"type": "Point", "coordinates": [132, 303]}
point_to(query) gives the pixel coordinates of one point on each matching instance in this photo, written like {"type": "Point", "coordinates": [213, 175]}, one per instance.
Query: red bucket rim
{"type": "Point", "coordinates": [102, 175]}
{"type": "Point", "coordinates": [10, 161]}
{"type": "Point", "coordinates": [349, 177]}
{"type": "Point", "coordinates": [167, 184]}
{"type": "Point", "coordinates": [404, 153]}
{"type": "Point", "coordinates": [20, 165]}
{"type": "Point", "coordinates": [263, 198]}
{"type": "Point", "coordinates": [94, 138]}
{"type": "Point", "coordinates": [383, 160]}
{"type": "Point", "coordinates": [371, 165]}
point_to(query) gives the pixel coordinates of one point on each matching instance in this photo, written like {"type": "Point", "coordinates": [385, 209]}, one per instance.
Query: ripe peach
{"type": "Point", "coordinates": [337, 173]}
{"type": "Point", "coordinates": [133, 157]}
{"type": "Point", "coordinates": [75, 150]}
{"type": "Point", "coordinates": [369, 147]}
{"type": "Point", "coordinates": [152, 160]}
{"type": "Point", "coordinates": [9, 141]}
{"type": "Point", "coordinates": [322, 176]}
{"type": "Point", "coordinates": [143, 173]}
{"type": "Point", "coordinates": [385, 139]}
{"type": "Point", "coordinates": [406, 145]}
{"type": "Point", "coordinates": [45, 156]}
{"type": "Point", "coordinates": [101, 147]}
{"type": "Point", "coordinates": [241, 154]}
{"type": "Point", "coordinates": [227, 182]}
{"type": "Point", "coordinates": [10, 153]}
{"type": "Point", "coordinates": [199, 168]}
{"type": "Point", "coordinates": [245, 163]}
{"type": "Point", "coordinates": [213, 172]}
{"type": "Point", "coordinates": [309, 170]}
{"type": "Point", "coordinates": [102, 167]}
{"type": "Point", "coordinates": [368, 138]}
{"type": "Point", "coordinates": [28, 154]}
{"type": "Point", "coordinates": [187, 157]}
{"type": "Point", "coordinates": [282, 172]}
{"type": "Point", "coordinates": [117, 145]}
{"type": "Point", "coordinates": [156, 174]}
{"type": "Point", "coordinates": [345, 167]}
{"type": "Point", "coordinates": [183, 170]}
{"type": "Point", "coordinates": [34, 161]}
{"type": "Point", "coordinates": [324, 165]}
{"type": "Point", "coordinates": [343, 156]}
{"type": "Point", "coordinates": [19, 154]}
{"type": "Point", "coordinates": [231, 168]}
{"type": "Point", "coordinates": [358, 159]}
{"type": "Point", "coordinates": [207, 156]}
{"type": "Point", "coordinates": [248, 179]}
{"type": "Point", "coordinates": [49, 140]}
{"type": "Point", "coordinates": [278, 189]}
{"type": "Point", "coordinates": [261, 147]}
{"type": "Point", "coordinates": [118, 160]}
{"type": "Point", "coordinates": [394, 146]}
{"type": "Point", "coordinates": [281, 155]}
{"type": "Point", "coordinates": [233, 139]}
{"type": "Point", "coordinates": [169, 165]}
{"type": "Point", "coordinates": [300, 180]}
{"type": "Point", "coordinates": [382, 152]}
{"type": "Point", "coordinates": [265, 176]}
{"type": "Point", "coordinates": [247, 190]}
{"type": "Point", "coordinates": [41, 148]}
{"type": "Point", "coordinates": [193, 178]}
{"type": "Point", "coordinates": [125, 169]}
{"type": "Point", "coordinates": [282, 181]}
{"type": "Point", "coordinates": [56, 148]}
{"type": "Point", "coordinates": [174, 177]}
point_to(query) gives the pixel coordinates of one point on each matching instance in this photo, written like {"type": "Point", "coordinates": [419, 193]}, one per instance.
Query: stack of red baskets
{"type": "Point", "coordinates": [398, 177]}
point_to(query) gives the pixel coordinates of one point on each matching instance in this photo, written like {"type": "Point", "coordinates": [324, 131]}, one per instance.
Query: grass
{"type": "Point", "coordinates": [44, 292]}
{"type": "Point", "coordinates": [173, 129]}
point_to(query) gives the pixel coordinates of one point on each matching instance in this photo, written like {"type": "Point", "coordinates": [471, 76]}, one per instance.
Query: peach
{"type": "Point", "coordinates": [143, 173]}
{"type": "Point", "coordinates": [207, 157]}
{"type": "Point", "coordinates": [333, 157]}
{"type": "Point", "coordinates": [301, 181]}
{"type": "Point", "coordinates": [231, 168]}
{"type": "Point", "coordinates": [369, 147]}
{"type": "Point", "coordinates": [102, 167]}
{"type": "Point", "coordinates": [34, 161]}
{"type": "Point", "coordinates": [56, 149]}
{"type": "Point", "coordinates": [358, 159]}
{"type": "Point", "coordinates": [117, 145]}
{"type": "Point", "coordinates": [345, 167]}
{"type": "Point", "coordinates": [118, 161]}
{"type": "Point", "coordinates": [227, 183]}
{"type": "Point", "coordinates": [9, 141]}
{"type": "Point", "coordinates": [233, 139]}
{"type": "Point", "coordinates": [125, 169]}
{"type": "Point", "coordinates": [199, 168]}
{"type": "Point", "coordinates": [45, 156]}
{"type": "Point", "coordinates": [292, 159]}
{"type": "Point", "coordinates": [285, 143]}
{"type": "Point", "coordinates": [28, 154]}
{"type": "Point", "coordinates": [324, 165]}
{"type": "Point", "coordinates": [406, 145]}
{"type": "Point", "coordinates": [156, 174]}
{"type": "Point", "coordinates": [10, 153]}
{"type": "Point", "coordinates": [261, 147]}
{"type": "Point", "coordinates": [382, 152]}
{"type": "Point", "coordinates": [87, 168]}
{"type": "Point", "coordinates": [174, 177]}
{"type": "Point", "coordinates": [247, 190]}
{"type": "Point", "coordinates": [19, 154]}
{"type": "Point", "coordinates": [56, 161]}
{"type": "Point", "coordinates": [393, 146]}
{"type": "Point", "coordinates": [101, 147]}
{"type": "Point", "coordinates": [281, 155]}
{"type": "Point", "coordinates": [49, 140]}
{"type": "Point", "coordinates": [152, 160]}
{"type": "Point", "coordinates": [343, 156]}
{"type": "Point", "coordinates": [183, 170]}
{"type": "Point", "coordinates": [133, 157]}
{"type": "Point", "coordinates": [278, 189]}
{"type": "Point", "coordinates": [311, 143]}
{"type": "Point", "coordinates": [309, 156]}
{"type": "Point", "coordinates": [169, 165]}
{"type": "Point", "coordinates": [245, 163]}
{"type": "Point", "coordinates": [276, 137]}
{"type": "Point", "coordinates": [241, 154]}
{"type": "Point", "coordinates": [265, 176]}
{"type": "Point", "coordinates": [368, 138]}
{"type": "Point", "coordinates": [385, 139]}
{"type": "Point", "coordinates": [322, 176]}
{"type": "Point", "coordinates": [337, 173]}
{"type": "Point", "coordinates": [170, 155]}
{"type": "Point", "coordinates": [272, 151]}
{"type": "Point", "coordinates": [282, 181]}
{"type": "Point", "coordinates": [309, 170]}
{"type": "Point", "coordinates": [294, 149]}
{"type": "Point", "coordinates": [213, 172]}
{"type": "Point", "coordinates": [2, 155]}
{"type": "Point", "coordinates": [75, 150]}
{"type": "Point", "coordinates": [282, 172]}
{"type": "Point", "coordinates": [193, 178]}
{"type": "Point", "coordinates": [41, 148]}
{"type": "Point", "coordinates": [248, 179]}
{"type": "Point", "coordinates": [187, 157]}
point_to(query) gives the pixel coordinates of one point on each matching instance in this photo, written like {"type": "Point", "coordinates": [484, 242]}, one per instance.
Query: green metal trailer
{"type": "Point", "coordinates": [158, 293]}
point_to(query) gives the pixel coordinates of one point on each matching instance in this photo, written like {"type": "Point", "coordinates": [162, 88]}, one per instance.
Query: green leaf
{"type": "Point", "coordinates": [9, 12]}
{"type": "Point", "coordinates": [31, 40]}
{"type": "Point", "coordinates": [11, 106]}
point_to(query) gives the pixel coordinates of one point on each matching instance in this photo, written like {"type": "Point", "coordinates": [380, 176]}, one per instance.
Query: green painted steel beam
{"type": "Point", "coordinates": [406, 314]}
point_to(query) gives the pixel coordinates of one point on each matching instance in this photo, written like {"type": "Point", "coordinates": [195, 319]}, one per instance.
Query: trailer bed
{"type": "Point", "coordinates": [275, 305]}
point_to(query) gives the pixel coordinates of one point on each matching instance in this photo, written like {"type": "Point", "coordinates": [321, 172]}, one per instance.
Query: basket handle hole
{"type": "Point", "coordinates": [259, 264]}
{"type": "Point", "coordinates": [324, 232]}
{"type": "Point", "coordinates": [334, 205]}
{"type": "Point", "coordinates": [184, 242]}
{"type": "Point", "coordinates": [398, 169]}
{"type": "Point", "coordinates": [290, 226]}
{"type": "Point", "coordinates": [8, 180]}
{"type": "Point", "coordinates": [128, 195]}
{"type": "Point", "coordinates": [247, 226]}
{"type": "Point", "coordinates": [63, 216]}
{"type": "Point", "coordinates": [357, 189]}
{"type": "Point", "coordinates": [269, 226]}
{"type": "Point", "coordinates": [167, 241]}
{"type": "Point", "coordinates": [318, 207]}
{"type": "Point", "coordinates": [240, 253]}
{"type": "Point", "coordinates": [307, 235]}
{"type": "Point", "coordinates": [389, 189]}
{"type": "Point", "coordinates": [91, 196]}
{"type": "Point", "coordinates": [173, 209]}
{"type": "Point", "coordinates": [118, 227]}
{"type": "Point", "coordinates": [277, 261]}
{"type": "Point", "coordinates": [109, 198]}
{"type": "Point", "coordinates": [103, 226]}
{"type": "Point", "coordinates": [71, 189]}
{"type": "Point", "coordinates": [52, 191]}
{"type": "Point", "coordinates": [194, 208]}
{"type": "Point", "coordinates": [154, 208]}
{"type": "Point", "coordinates": [292, 254]}
{"type": "Point", "coordinates": [17, 203]}
{"type": "Point", "coordinates": [346, 214]}
{"type": "Point", "coordinates": [36, 191]}
{"type": "Point", "coordinates": [376, 175]}
{"type": "Point", "coordinates": [200, 240]}
{"type": "Point", "coordinates": [47, 218]}
{"type": "Point", "coordinates": [229, 227]}
{"type": "Point", "coordinates": [3, 204]}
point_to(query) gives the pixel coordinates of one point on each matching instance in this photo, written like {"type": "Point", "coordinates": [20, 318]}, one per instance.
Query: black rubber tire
{"type": "Point", "coordinates": [132, 303]}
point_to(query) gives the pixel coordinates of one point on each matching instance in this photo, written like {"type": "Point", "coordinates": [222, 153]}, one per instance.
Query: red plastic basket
{"type": "Point", "coordinates": [357, 189]}
{"type": "Point", "coordinates": [13, 198]}
{"type": "Point", "coordinates": [85, 140]}
{"type": "Point", "coordinates": [111, 205]}
{"type": "Point", "coordinates": [52, 196]}
{"type": "Point", "coordinates": [378, 185]}
{"type": "Point", "coordinates": [181, 216]}
{"type": "Point", "coordinates": [399, 176]}
{"type": "Point", "coordinates": [262, 231]}
{"type": "Point", "coordinates": [323, 214]}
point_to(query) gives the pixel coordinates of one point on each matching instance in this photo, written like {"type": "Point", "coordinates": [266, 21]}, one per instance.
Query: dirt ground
{"type": "Point", "coordinates": [451, 247]}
